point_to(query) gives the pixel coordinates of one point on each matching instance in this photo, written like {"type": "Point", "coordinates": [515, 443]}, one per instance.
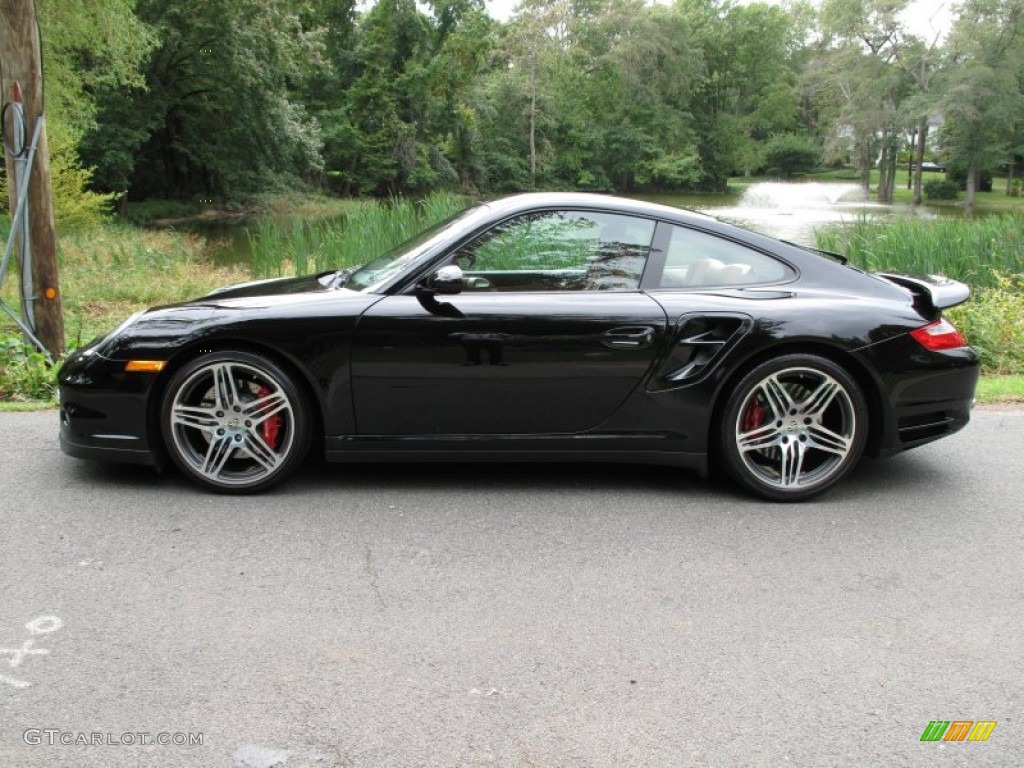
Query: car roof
{"type": "Point", "coordinates": [534, 200]}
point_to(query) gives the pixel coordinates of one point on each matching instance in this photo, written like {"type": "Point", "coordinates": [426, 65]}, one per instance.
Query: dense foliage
{"type": "Point", "coordinates": [216, 100]}
{"type": "Point", "coordinates": [976, 251]}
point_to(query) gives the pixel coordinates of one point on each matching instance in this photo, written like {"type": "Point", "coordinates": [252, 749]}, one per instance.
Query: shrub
{"type": "Point", "coordinates": [25, 374]}
{"type": "Point", "coordinates": [672, 171]}
{"type": "Point", "coordinates": [958, 175]}
{"type": "Point", "coordinates": [993, 322]}
{"type": "Point", "coordinates": [993, 325]}
{"type": "Point", "coordinates": [983, 252]}
{"type": "Point", "coordinates": [940, 189]}
{"type": "Point", "coordinates": [789, 154]}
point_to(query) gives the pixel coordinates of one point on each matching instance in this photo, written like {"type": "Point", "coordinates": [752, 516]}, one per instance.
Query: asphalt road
{"type": "Point", "coordinates": [511, 616]}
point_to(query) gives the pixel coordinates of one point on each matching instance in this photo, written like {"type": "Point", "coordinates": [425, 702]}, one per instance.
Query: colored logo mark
{"type": "Point", "coordinates": [958, 730]}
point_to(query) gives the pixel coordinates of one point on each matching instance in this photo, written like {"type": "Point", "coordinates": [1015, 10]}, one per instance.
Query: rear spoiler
{"type": "Point", "coordinates": [934, 292]}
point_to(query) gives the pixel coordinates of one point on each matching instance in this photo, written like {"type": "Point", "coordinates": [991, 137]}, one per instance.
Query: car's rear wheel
{"type": "Point", "coordinates": [793, 427]}
{"type": "Point", "coordinates": [235, 422]}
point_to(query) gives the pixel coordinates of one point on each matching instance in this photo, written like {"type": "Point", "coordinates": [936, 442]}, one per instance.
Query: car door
{"type": "Point", "coordinates": [549, 335]}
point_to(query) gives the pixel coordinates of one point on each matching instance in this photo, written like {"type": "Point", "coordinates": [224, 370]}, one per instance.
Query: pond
{"type": "Point", "coordinates": [787, 210]}
{"type": "Point", "coordinates": [793, 210]}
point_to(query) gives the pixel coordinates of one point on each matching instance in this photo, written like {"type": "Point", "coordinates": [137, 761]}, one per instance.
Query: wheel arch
{"type": "Point", "coordinates": [190, 352]}
{"type": "Point", "coordinates": [869, 385]}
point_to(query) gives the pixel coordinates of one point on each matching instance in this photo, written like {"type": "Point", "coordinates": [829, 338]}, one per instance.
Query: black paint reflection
{"type": "Point", "coordinates": [478, 344]}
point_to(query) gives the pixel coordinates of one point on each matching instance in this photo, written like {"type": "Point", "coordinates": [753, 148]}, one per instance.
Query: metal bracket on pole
{"type": "Point", "coordinates": [19, 221]}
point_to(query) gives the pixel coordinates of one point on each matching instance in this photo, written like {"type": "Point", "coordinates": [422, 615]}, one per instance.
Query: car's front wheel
{"type": "Point", "coordinates": [793, 427]}
{"type": "Point", "coordinates": [235, 422]}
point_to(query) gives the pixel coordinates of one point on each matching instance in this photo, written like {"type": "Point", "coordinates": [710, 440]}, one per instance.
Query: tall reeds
{"type": "Point", "coordinates": [298, 247]}
{"type": "Point", "coordinates": [975, 251]}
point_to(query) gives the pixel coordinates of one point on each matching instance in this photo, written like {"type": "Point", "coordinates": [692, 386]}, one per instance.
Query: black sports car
{"type": "Point", "coordinates": [538, 327]}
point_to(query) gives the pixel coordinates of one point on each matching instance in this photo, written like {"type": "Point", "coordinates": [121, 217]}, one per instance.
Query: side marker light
{"type": "Point", "coordinates": [145, 366]}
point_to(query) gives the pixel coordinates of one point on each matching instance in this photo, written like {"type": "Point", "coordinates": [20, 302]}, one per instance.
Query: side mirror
{"type": "Point", "coordinates": [445, 281]}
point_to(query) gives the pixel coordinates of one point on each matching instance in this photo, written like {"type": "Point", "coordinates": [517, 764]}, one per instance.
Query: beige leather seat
{"type": "Point", "coordinates": [702, 272]}
{"type": "Point", "coordinates": [712, 272]}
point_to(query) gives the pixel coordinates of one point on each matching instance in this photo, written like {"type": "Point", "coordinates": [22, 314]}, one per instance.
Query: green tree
{"type": "Point", "coordinates": [984, 105]}
{"type": "Point", "coordinates": [217, 116]}
{"type": "Point", "coordinates": [88, 45]}
{"type": "Point", "coordinates": [862, 39]}
{"type": "Point", "coordinates": [789, 154]}
{"type": "Point", "coordinates": [752, 56]}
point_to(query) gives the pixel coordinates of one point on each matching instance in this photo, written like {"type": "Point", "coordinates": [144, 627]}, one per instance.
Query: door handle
{"type": "Point", "coordinates": [632, 337]}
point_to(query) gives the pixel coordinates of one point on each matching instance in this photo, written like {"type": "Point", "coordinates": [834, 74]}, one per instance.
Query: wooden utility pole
{"type": "Point", "coordinates": [21, 62]}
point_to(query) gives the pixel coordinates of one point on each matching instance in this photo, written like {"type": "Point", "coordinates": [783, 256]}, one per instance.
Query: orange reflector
{"type": "Point", "coordinates": [50, 293]}
{"type": "Point", "coordinates": [145, 366]}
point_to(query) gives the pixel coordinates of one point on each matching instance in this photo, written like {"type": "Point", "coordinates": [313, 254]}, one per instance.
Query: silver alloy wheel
{"type": "Point", "coordinates": [232, 423]}
{"type": "Point", "coordinates": [796, 428]}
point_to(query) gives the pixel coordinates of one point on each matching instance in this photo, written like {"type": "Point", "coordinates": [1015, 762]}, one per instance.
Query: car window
{"type": "Point", "coordinates": [559, 251]}
{"type": "Point", "coordinates": [698, 259]}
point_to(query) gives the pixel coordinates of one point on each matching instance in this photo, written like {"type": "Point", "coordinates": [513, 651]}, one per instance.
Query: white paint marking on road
{"type": "Point", "coordinates": [42, 625]}
{"type": "Point", "coordinates": [17, 654]}
{"type": "Point", "coordinates": [15, 683]}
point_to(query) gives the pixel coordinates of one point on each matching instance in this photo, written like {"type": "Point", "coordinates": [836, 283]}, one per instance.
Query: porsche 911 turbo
{"type": "Point", "coordinates": [539, 327]}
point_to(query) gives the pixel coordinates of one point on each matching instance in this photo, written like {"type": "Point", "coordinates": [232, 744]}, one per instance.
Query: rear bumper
{"type": "Point", "coordinates": [928, 396]}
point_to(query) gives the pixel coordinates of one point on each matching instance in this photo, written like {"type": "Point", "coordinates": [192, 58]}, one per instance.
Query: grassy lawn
{"type": "Point", "coordinates": [1001, 389]}
{"type": "Point", "coordinates": [18, 406]}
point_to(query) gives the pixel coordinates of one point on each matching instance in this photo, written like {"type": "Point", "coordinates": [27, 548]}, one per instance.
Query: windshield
{"type": "Point", "coordinates": [385, 267]}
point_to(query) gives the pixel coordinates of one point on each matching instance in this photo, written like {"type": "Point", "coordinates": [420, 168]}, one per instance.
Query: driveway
{"type": "Point", "coordinates": [511, 616]}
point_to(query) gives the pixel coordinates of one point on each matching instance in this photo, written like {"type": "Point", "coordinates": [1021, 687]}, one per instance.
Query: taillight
{"type": "Point", "coordinates": [941, 334]}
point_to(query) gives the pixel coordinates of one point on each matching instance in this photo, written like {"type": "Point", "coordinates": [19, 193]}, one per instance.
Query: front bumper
{"type": "Point", "coordinates": [104, 412]}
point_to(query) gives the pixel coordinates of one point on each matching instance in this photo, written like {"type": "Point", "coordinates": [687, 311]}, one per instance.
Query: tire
{"type": "Point", "coordinates": [793, 427]}
{"type": "Point", "coordinates": [235, 422]}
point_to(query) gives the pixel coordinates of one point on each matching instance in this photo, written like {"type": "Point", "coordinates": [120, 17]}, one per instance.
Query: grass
{"type": "Point", "coordinates": [972, 250]}
{"type": "Point", "coordinates": [295, 247]}
{"type": "Point", "coordinates": [1000, 389]}
{"type": "Point", "coordinates": [26, 406]}
{"type": "Point", "coordinates": [106, 274]}
{"type": "Point", "coordinates": [111, 272]}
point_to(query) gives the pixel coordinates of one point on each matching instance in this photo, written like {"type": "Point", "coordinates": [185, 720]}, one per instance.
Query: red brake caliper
{"type": "Point", "coordinates": [270, 430]}
{"type": "Point", "coordinates": [754, 417]}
